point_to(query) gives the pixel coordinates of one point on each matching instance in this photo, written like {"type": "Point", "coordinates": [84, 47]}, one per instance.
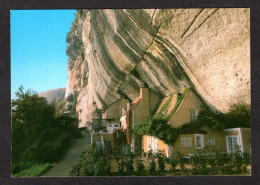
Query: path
{"type": "Point", "coordinates": [63, 167]}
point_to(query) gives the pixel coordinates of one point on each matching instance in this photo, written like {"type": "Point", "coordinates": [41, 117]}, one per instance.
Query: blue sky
{"type": "Point", "coordinates": [38, 49]}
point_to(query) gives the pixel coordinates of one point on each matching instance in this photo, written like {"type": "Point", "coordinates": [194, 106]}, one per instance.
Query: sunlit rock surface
{"type": "Point", "coordinates": [112, 51]}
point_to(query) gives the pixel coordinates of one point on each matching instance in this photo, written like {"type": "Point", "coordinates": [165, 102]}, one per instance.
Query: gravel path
{"type": "Point", "coordinates": [64, 166]}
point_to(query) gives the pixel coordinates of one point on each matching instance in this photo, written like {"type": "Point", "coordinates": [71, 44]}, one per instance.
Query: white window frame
{"type": "Point", "coordinates": [202, 141]}
{"type": "Point", "coordinates": [227, 143]}
{"type": "Point", "coordinates": [186, 141]}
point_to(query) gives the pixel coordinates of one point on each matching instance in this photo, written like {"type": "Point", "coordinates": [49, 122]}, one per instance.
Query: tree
{"type": "Point", "coordinates": [239, 115]}
{"type": "Point", "coordinates": [31, 112]}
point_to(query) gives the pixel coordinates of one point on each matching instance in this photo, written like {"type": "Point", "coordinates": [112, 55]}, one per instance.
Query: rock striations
{"type": "Point", "coordinates": [112, 51]}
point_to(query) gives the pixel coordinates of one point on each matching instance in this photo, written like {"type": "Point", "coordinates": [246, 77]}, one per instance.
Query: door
{"type": "Point", "coordinates": [231, 141]}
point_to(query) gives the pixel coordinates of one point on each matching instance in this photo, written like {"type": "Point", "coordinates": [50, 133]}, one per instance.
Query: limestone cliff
{"type": "Point", "coordinates": [112, 51]}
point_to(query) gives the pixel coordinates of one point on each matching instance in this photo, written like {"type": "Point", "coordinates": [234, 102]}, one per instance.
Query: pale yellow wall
{"type": "Point", "coordinates": [218, 135]}
{"type": "Point", "coordinates": [246, 137]}
{"type": "Point", "coordinates": [181, 116]}
{"type": "Point", "coordinates": [97, 137]}
{"type": "Point", "coordinates": [138, 114]}
{"type": "Point", "coordinates": [144, 103]}
{"type": "Point", "coordinates": [162, 146]}
{"type": "Point", "coordinates": [145, 143]}
{"type": "Point", "coordinates": [154, 100]}
{"type": "Point", "coordinates": [115, 110]}
{"type": "Point", "coordinates": [142, 108]}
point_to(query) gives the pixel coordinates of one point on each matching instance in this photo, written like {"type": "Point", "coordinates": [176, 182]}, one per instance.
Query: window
{"type": "Point", "coordinates": [186, 142]}
{"type": "Point", "coordinates": [116, 125]}
{"type": "Point", "coordinates": [193, 114]}
{"type": "Point", "coordinates": [232, 141]}
{"type": "Point", "coordinates": [199, 140]}
{"type": "Point", "coordinates": [110, 125]}
{"type": "Point", "coordinates": [211, 141]}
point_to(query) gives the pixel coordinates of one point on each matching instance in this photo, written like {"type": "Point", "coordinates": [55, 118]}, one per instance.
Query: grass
{"type": "Point", "coordinates": [34, 170]}
{"type": "Point", "coordinates": [179, 100]}
{"type": "Point", "coordinates": [165, 105]}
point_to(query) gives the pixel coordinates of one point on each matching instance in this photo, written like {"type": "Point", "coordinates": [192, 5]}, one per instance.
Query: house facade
{"type": "Point", "coordinates": [126, 115]}
{"type": "Point", "coordinates": [188, 143]}
{"type": "Point", "coordinates": [137, 113]}
{"type": "Point", "coordinates": [104, 123]}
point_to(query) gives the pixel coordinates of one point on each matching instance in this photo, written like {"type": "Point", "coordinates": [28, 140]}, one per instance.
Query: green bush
{"type": "Point", "coordinates": [33, 171]}
{"type": "Point", "coordinates": [118, 155]}
{"type": "Point", "coordinates": [173, 162]}
{"type": "Point", "coordinates": [199, 165]}
{"type": "Point", "coordinates": [139, 165]}
{"type": "Point", "coordinates": [161, 159]}
{"type": "Point", "coordinates": [236, 159]}
{"type": "Point", "coordinates": [91, 163]}
{"type": "Point", "coordinates": [215, 162]}
{"type": "Point", "coordinates": [181, 162]}
{"type": "Point", "coordinates": [152, 164]}
{"type": "Point", "coordinates": [129, 163]}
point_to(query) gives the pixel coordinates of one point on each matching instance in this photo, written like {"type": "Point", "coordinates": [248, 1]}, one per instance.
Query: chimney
{"type": "Point", "coordinates": [145, 101]}
{"type": "Point", "coordinates": [128, 106]}
{"type": "Point", "coordinates": [123, 111]}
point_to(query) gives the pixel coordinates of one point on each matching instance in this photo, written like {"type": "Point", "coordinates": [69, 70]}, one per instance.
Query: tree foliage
{"type": "Point", "coordinates": [91, 163]}
{"type": "Point", "coordinates": [37, 135]}
{"type": "Point", "coordinates": [31, 113]}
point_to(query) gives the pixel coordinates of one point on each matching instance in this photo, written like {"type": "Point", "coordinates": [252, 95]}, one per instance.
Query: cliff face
{"type": "Point", "coordinates": [112, 51]}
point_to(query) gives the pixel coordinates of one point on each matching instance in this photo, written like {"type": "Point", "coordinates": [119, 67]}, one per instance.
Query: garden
{"type": "Point", "coordinates": [94, 163]}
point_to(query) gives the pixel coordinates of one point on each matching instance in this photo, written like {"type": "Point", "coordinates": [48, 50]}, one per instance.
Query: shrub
{"type": "Point", "coordinates": [237, 159]}
{"type": "Point", "coordinates": [129, 163]}
{"type": "Point", "coordinates": [91, 163]}
{"type": "Point", "coordinates": [70, 98]}
{"type": "Point", "coordinates": [161, 160]}
{"type": "Point", "coordinates": [199, 165]}
{"type": "Point", "coordinates": [180, 158]}
{"type": "Point", "coordinates": [139, 165]}
{"type": "Point", "coordinates": [173, 162]}
{"type": "Point", "coordinates": [152, 164]}
{"type": "Point", "coordinates": [215, 162]}
{"type": "Point", "coordinates": [118, 155]}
